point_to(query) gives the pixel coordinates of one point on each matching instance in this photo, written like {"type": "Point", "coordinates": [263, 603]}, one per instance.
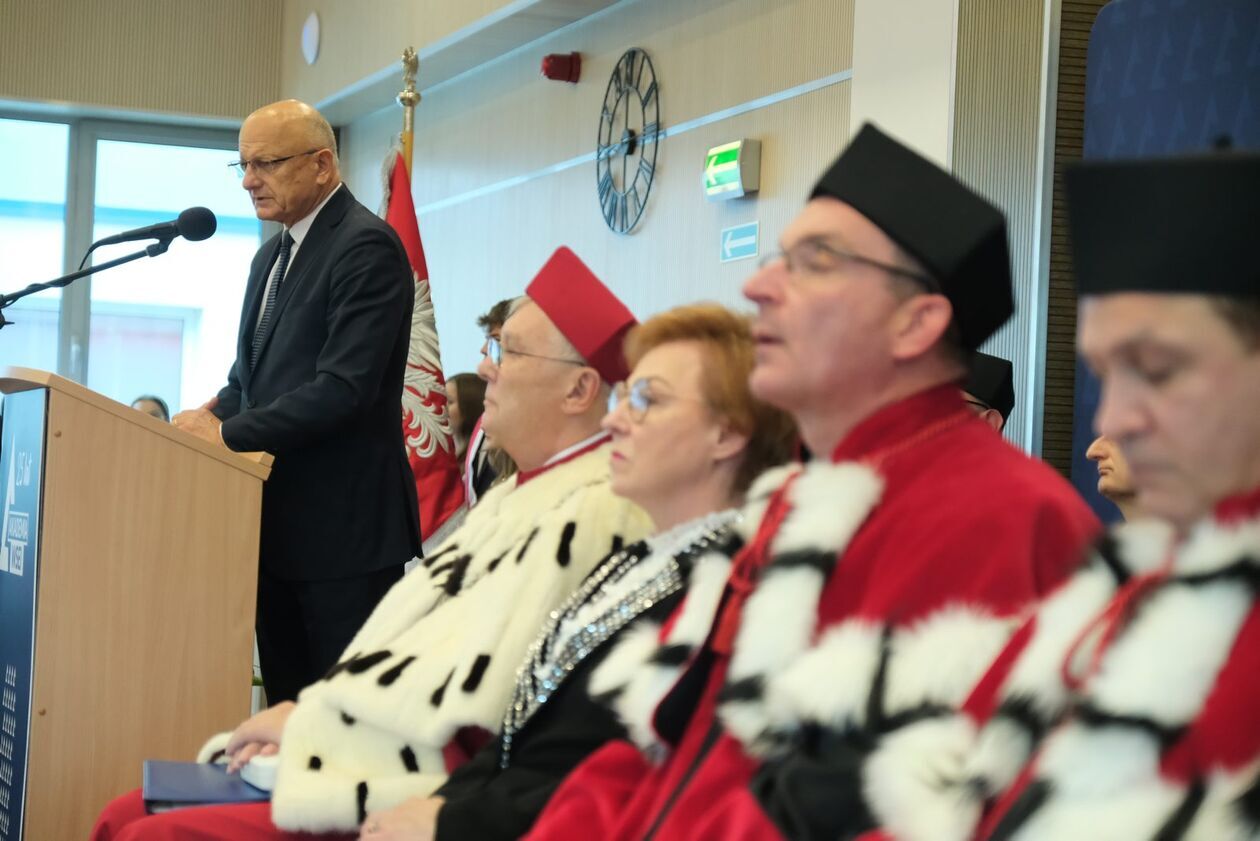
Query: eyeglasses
{"type": "Point", "coordinates": [638, 398]}
{"type": "Point", "coordinates": [816, 258]}
{"type": "Point", "coordinates": [496, 351]}
{"type": "Point", "coordinates": [266, 166]}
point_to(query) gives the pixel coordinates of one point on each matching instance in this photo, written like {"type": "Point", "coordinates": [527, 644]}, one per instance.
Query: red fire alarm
{"type": "Point", "coordinates": [562, 68]}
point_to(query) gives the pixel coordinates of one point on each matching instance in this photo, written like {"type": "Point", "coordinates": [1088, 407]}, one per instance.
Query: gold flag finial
{"type": "Point", "coordinates": [409, 98]}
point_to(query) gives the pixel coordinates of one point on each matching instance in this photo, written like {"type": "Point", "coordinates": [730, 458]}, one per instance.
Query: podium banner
{"type": "Point", "coordinates": [22, 424]}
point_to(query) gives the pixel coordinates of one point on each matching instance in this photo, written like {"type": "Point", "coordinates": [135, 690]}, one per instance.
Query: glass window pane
{"type": "Point", "coordinates": [166, 325]}
{"type": "Point", "coordinates": [32, 237]}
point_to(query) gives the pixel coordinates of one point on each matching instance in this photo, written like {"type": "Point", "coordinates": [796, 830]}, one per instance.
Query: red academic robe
{"type": "Point", "coordinates": [1124, 710]}
{"type": "Point", "coordinates": [873, 593]}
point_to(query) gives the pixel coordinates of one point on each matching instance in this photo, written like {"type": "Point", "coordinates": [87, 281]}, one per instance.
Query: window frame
{"type": "Point", "coordinates": [75, 316]}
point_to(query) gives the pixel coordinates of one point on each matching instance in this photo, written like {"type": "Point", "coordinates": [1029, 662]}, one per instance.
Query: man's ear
{"type": "Point", "coordinates": [918, 324]}
{"type": "Point", "coordinates": [324, 159]}
{"type": "Point", "coordinates": [993, 418]}
{"type": "Point", "coordinates": [584, 391]}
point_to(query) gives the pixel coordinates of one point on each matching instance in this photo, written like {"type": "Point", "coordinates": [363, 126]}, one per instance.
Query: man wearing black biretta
{"type": "Point", "coordinates": [957, 236]}
{"type": "Point", "coordinates": [1155, 697]}
{"type": "Point", "coordinates": [876, 580]}
{"type": "Point", "coordinates": [990, 388]}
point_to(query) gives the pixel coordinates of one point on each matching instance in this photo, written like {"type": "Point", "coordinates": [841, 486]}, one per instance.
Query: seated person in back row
{"type": "Point", "coordinates": [990, 389]}
{"type": "Point", "coordinates": [1115, 481]}
{"type": "Point", "coordinates": [465, 401]}
{"type": "Point", "coordinates": [424, 683]}
{"type": "Point", "coordinates": [484, 462]}
{"type": "Point", "coordinates": [153, 405]}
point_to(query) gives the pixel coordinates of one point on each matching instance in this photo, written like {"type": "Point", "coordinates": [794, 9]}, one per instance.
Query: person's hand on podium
{"type": "Point", "coordinates": [257, 735]}
{"type": "Point", "coordinates": [201, 422]}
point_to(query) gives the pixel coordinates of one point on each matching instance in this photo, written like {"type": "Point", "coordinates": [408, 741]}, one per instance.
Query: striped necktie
{"type": "Point", "coordinates": [282, 263]}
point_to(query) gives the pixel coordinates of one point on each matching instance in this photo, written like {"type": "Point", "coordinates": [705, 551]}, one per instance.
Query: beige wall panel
{"type": "Point", "coordinates": [485, 249]}
{"type": "Point", "coordinates": [359, 37]}
{"type": "Point", "coordinates": [903, 71]}
{"type": "Point", "coordinates": [505, 120]}
{"type": "Point", "coordinates": [996, 149]}
{"type": "Point", "coordinates": [210, 58]}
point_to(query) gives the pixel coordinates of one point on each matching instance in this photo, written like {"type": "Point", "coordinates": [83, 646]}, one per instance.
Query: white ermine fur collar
{"type": "Point", "coordinates": [1098, 748]}
{"type": "Point", "coordinates": [440, 651]}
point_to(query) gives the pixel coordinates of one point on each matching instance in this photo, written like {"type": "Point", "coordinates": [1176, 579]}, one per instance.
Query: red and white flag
{"type": "Point", "coordinates": [426, 423]}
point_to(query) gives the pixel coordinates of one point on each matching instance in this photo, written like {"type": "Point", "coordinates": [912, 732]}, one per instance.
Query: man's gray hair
{"type": "Point", "coordinates": [320, 133]}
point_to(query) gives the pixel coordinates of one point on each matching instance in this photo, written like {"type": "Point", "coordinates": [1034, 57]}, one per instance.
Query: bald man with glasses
{"type": "Point", "coordinates": [322, 346]}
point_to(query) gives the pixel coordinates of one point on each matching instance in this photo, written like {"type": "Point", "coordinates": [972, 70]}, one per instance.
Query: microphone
{"type": "Point", "coordinates": [194, 224]}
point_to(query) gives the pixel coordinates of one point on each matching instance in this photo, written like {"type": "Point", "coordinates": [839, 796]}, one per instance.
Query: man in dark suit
{"type": "Point", "coordinates": [317, 382]}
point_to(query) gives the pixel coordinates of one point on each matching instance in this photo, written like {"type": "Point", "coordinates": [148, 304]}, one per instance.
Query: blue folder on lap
{"type": "Point", "coordinates": [175, 785]}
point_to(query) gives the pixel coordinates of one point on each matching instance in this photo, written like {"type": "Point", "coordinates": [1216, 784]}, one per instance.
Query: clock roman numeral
{"type": "Point", "coordinates": [610, 211]}
{"type": "Point", "coordinates": [646, 168]}
{"type": "Point", "coordinates": [622, 222]}
{"type": "Point", "coordinates": [614, 205]}
{"type": "Point", "coordinates": [609, 200]}
{"type": "Point", "coordinates": [649, 94]}
{"type": "Point", "coordinates": [635, 206]}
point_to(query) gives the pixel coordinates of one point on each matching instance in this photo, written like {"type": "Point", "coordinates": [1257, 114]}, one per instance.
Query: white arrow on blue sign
{"type": "Point", "coordinates": [739, 243]}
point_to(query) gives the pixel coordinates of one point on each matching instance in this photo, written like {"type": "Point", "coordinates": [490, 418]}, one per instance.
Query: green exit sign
{"type": "Point", "coordinates": [732, 170]}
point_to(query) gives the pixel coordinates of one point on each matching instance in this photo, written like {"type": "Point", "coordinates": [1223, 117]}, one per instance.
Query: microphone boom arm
{"type": "Point", "coordinates": [9, 299]}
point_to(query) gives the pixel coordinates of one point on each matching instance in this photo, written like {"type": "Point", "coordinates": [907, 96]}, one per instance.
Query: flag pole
{"type": "Point", "coordinates": [426, 422]}
{"type": "Point", "coordinates": [409, 98]}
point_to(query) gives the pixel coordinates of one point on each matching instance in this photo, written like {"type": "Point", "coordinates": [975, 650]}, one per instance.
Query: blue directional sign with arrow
{"type": "Point", "coordinates": [739, 243]}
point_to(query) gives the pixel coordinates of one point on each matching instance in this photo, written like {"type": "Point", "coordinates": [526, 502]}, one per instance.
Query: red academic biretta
{"type": "Point", "coordinates": [591, 317]}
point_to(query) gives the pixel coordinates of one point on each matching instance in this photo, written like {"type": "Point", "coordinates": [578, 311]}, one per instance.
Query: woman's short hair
{"type": "Point", "coordinates": [727, 343]}
{"type": "Point", "coordinates": [470, 394]}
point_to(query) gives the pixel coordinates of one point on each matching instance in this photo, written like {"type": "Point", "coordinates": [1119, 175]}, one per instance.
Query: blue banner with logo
{"type": "Point", "coordinates": [1164, 77]}
{"type": "Point", "coordinates": [21, 481]}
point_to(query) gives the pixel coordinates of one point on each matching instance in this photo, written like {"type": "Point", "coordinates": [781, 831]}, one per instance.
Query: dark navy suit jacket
{"type": "Point", "coordinates": [325, 396]}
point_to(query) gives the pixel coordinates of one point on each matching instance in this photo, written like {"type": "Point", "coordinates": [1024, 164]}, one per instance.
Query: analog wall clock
{"type": "Point", "coordinates": [629, 128]}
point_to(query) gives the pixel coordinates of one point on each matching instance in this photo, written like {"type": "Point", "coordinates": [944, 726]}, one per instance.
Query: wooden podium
{"type": "Point", "coordinates": [128, 571]}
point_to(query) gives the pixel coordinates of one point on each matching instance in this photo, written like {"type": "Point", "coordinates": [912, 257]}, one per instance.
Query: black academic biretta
{"type": "Point", "coordinates": [957, 235]}
{"type": "Point", "coordinates": [1184, 224]}
{"type": "Point", "coordinates": [991, 380]}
